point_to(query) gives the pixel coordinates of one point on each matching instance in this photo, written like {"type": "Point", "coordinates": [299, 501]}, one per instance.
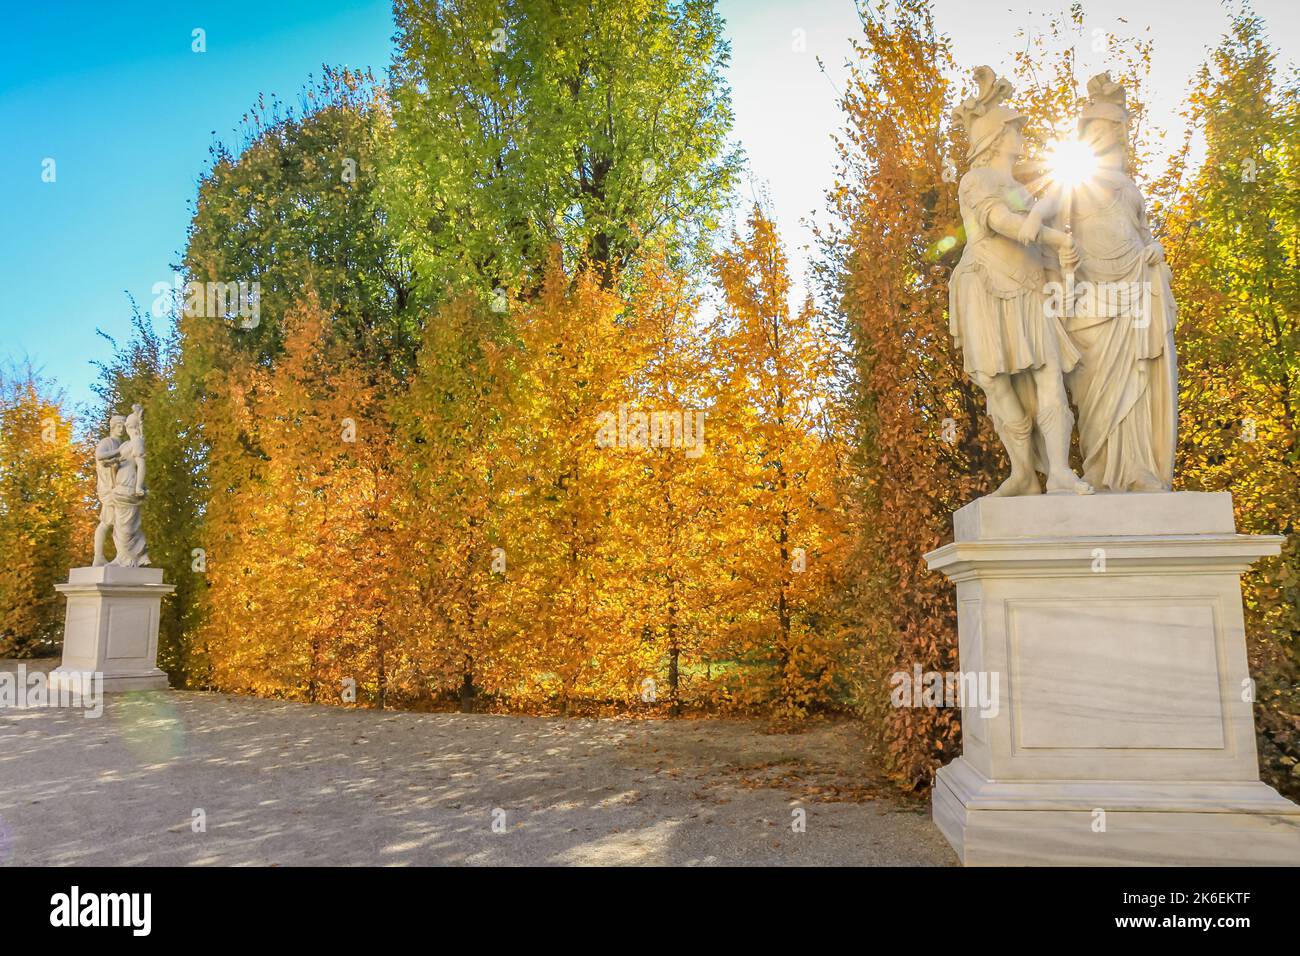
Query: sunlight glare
{"type": "Point", "coordinates": [1071, 162]}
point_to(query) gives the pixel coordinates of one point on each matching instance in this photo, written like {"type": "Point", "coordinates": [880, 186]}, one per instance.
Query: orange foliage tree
{"type": "Point", "coordinates": [299, 545]}
{"type": "Point", "coordinates": [923, 446]}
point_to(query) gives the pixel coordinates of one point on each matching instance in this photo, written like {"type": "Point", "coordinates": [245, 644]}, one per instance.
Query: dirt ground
{"type": "Point", "coordinates": [186, 778]}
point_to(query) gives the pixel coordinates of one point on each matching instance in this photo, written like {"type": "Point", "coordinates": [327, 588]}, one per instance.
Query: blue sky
{"type": "Point", "coordinates": [114, 94]}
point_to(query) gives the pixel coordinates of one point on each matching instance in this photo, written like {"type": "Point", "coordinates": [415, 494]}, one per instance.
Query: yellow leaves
{"type": "Point", "coordinates": [46, 495]}
{"type": "Point", "coordinates": [476, 533]}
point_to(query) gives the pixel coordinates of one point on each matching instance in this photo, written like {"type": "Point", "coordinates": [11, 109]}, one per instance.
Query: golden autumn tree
{"type": "Point", "coordinates": [786, 529]}
{"type": "Point", "coordinates": [450, 428]}
{"type": "Point", "coordinates": [568, 554]}
{"type": "Point", "coordinates": [299, 548]}
{"type": "Point", "coordinates": [676, 497]}
{"type": "Point", "coordinates": [46, 491]}
{"type": "Point", "coordinates": [263, 527]}
{"type": "Point", "coordinates": [363, 538]}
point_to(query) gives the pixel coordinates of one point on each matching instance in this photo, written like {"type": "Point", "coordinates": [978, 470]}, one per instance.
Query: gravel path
{"type": "Point", "coordinates": [300, 784]}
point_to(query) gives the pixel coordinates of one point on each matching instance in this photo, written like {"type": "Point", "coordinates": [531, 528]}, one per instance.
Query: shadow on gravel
{"type": "Point", "coordinates": [275, 783]}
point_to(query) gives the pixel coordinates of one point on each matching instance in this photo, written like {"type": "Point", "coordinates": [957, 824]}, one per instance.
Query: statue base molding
{"type": "Point", "coordinates": [1050, 823]}
{"type": "Point", "coordinates": [1123, 732]}
{"type": "Point", "coordinates": [112, 627]}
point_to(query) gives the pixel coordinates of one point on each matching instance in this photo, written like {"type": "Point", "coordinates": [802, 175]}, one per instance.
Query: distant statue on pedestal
{"type": "Point", "coordinates": [120, 485]}
{"type": "Point", "coordinates": [111, 629]}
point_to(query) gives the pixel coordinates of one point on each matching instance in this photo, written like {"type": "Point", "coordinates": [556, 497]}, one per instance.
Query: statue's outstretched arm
{"type": "Point", "coordinates": [1029, 228]}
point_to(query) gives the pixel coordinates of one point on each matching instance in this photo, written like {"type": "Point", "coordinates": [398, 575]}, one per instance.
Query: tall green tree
{"type": "Point", "coordinates": [525, 123]}
{"type": "Point", "coordinates": [1231, 231]}
{"type": "Point", "coordinates": [296, 206]}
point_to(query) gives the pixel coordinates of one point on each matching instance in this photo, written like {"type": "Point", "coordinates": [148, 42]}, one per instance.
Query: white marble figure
{"type": "Point", "coordinates": [122, 464]}
{"type": "Point", "coordinates": [106, 458]}
{"type": "Point", "coordinates": [1122, 321]}
{"type": "Point", "coordinates": [1013, 346]}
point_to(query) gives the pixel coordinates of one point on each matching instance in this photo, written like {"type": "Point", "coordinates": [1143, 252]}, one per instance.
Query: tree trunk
{"type": "Point", "coordinates": [467, 687]}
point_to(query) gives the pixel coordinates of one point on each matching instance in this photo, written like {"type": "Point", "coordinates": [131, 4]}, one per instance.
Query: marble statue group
{"type": "Point", "coordinates": [1113, 618]}
{"type": "Point", "coordinates": [1061, 286]}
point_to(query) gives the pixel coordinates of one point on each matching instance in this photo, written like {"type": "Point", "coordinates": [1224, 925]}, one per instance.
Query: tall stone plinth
{"type": "Point", "coordinates": [1124, 732]}
{"type": "Point", "coordinates": [112, 627]}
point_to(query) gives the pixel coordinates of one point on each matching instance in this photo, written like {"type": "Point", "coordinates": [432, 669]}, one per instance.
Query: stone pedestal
{"type": "Point", "coordinates": [1124, 732]}
{"type": "Point", "coordinates": [112, 627]}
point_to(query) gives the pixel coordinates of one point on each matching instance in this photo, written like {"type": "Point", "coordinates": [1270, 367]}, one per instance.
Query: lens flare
{"type": "Point", "coordinates": [1071, 162]}
{"type": "Point", "coordinates": [150, 726]}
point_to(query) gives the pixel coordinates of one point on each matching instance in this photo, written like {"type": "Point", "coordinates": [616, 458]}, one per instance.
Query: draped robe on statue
{"type": "Point", "coordinates": [128, 533]}
{"type": "Point", "coordinates": [1125, 387]}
